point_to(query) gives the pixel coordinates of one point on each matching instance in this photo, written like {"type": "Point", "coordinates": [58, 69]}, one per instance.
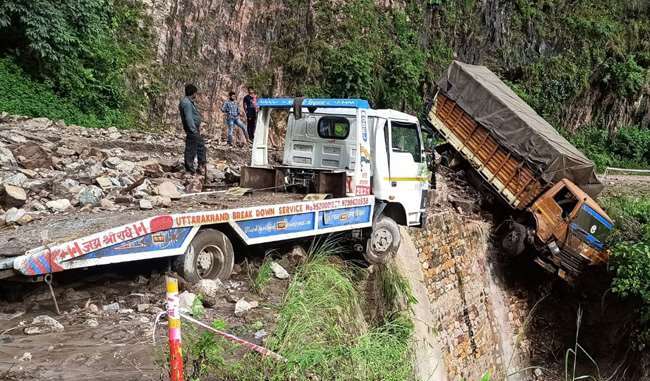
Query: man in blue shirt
{"type": "Point", "coordinates": [231, 110]}
{"type": "Point", "coordinates": [191, 119]}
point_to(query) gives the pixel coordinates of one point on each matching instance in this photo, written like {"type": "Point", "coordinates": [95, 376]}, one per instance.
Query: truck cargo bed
{"type": "Point", "coordinates": [513, 179]}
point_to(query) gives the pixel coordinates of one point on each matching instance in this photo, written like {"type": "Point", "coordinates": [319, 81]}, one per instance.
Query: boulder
{"type": "Point", "coordinates": [17, 179]}
{"type": "Point", "coordinates": [90, 195]}
{"type": "Point", "coordinates": [279, 271]}
{"type": "Point", "coordinates": [13, 215]}
{"type": "Point", "coordinates": [113, 307]}
{"type": "Point", "coordinates": [168, 189]}
{"type": "Point", "coordinates": [106, 203]}
{"type": "Point", "coordinates": [7, 158]}
{"type": "Point", "coordinates": [125, 166]}
{"type": "Point", "coordinates": [37, 185]}
{"type": "Point", "coordinates": [242, 307]}
{"type": "Point", "coordinates": [58, 205]}
{"type": "Point", "coordinates": [43, 324]}
{"type": "Point", "coordinates": [66, 187]}
{"type": "Point", "coordinates": [208, 287]}
{"type": "Point", "coordinates": [112, 162]}
{"type": "Point", "coordinates": [104, 182]}
{"type": "Point", "coordinates": [161, 201]}
{"type": "Point", "coordinates": [145, 204]}
{"type": "Point", "coordinates": [186, 300]}
{"type": "Point", "coordinates": [62, 151]}
{"type": "Point", "coordinates": [151, 168]}
{"type": "Point", "coordinates": [32, 156]}
{"type": "Point", "coordinates": [13, 195]}
{"type": "Point", "coordinates": [37, 123]}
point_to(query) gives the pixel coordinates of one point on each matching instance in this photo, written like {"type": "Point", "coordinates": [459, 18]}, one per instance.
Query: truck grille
{"type": "Point", "coordinates": [574, 263]}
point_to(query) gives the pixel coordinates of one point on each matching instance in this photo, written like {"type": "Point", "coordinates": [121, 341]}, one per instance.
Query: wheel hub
{"type": "Point", "coordinates": [210, 257]}
{"type": "Point", "coordinates": [381, 240]}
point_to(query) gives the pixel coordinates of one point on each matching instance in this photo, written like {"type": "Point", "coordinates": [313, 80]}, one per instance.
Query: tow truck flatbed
{"type": "Point", "coordinates": [84, 240]}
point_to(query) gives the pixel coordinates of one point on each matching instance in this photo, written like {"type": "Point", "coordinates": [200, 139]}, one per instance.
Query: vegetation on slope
{"type": "Point", "coordinates": [630, 259]}
{"type": "Point", "coordinates": [320, 330]}
{"type": "Point", "coordinates": [74, 60]}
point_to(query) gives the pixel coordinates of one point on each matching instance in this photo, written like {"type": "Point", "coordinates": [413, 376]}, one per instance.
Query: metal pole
{"type": "Point", "coordinates": [174, 330]}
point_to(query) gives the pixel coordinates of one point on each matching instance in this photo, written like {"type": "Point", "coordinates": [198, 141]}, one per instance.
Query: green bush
{"type": "Point", "coordinates": [629, 148]}
{"type": "Point", "coordinates": [83, 51]}
{"type": "Point", "coordinates": [630, 253]}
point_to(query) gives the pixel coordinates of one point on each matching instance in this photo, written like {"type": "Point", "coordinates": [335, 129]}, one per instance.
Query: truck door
{"type": "Point", "coordinates": [407, 178]}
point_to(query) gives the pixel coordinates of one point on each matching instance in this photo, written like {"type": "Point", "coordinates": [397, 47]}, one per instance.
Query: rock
{"type": "Point", "coordinates": [194, 184]}
{"type": "Point", "coordinates": [90, 195]}
{"type": "Point", "coordinates": [231, 176]}
{"type": "Point", "coordinates": [297, 254]}
{"type": "Point", "coordinates": [27, 356]}
{"type": "Point", "coordinates": [43, 324]}
{"type": "Point", "coordinates": [37, 123]}
{"type": "Point", "coordinates": [37, 185]}
{"type": "Point", "coordinates": [145, 204]}
{"type": "Point", "coordinates": [125, 311]}
{"type": "Point", "coordinates": [538, 372]}
{"type": "Point", "coordinates": [111, 130]}
{"type": "Point", "coordinates": [13, 195]}
{"type": "Point", "coordinates": [24, 219]}
{"type": "Point", "coordinates": [125, 166]}
{"type": "Point", "coordinates": [58, 205]}
{"type": "Point", "coordinates": [92, 308]}
{"type": "Point", "coordinates": [32, 156]}
{"type": "Point", "coordinates": [260, 334]}
{"type": "Point", "coordinates": [104, 182]}
{"type": "Point", "coordinates": [161, 201]}
{"type": "Point", "coordinates": [208, 287]}
{"type": "Point", "coordinates": [113, 307]}
{"type": "Point", "coordinates": [279, 271]}
{"type": "Point", "coordinates": [28, 172]}
{"type": "Point", "coordinates": [114, 135]}
{"type": "Point", "coordinates": [106, 203]}
{"type": "Point", "coordinates": [151, 168]}
{"type": "Point", "coordinates": [92, 323]}
{"type": "Point", "coordinates": [168, 189]}
{"type": "Point", "coordinates": [186, 300]}
{"type": "Point", "coordinates": [112, 162]}
{"type": "Point", "coordinates": [242, 307]}
{"type": "Point", "coordinates": [18, 180]}
{"type": "Point", "coordinates": [7, 158]}
{"type": "Point", "coordinates": [143, 307]}
{"type": "Point", "coordinates": [170, 165]}
{"type": "Point", "coordinates": [66, 187]}
{"type": "Point", "coordinates": [62, 151]}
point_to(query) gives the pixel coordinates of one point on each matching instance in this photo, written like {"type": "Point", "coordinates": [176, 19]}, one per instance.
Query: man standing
{"type": "Point", "coordinates": [231, 109]}
{"type": "Point", "coordinates": [250, 108]}
{"type": "Point", "coordinates": [194, 144]}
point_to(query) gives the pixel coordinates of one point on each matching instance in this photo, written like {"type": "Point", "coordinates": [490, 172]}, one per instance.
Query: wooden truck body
{"type": "Point", "coordinates": [533, 175]}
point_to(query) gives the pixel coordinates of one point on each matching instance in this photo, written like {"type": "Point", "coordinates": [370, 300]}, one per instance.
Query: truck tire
{"type": "Point", "coordinates": [209, 256]}
{"type": "Point", "coordinates": [514, 239]}
{"type": "Point", "coordinates": [383, 242]}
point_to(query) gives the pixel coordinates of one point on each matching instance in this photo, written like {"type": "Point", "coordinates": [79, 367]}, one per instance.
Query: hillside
{"type": "Point", "coordinates": [583, 66]}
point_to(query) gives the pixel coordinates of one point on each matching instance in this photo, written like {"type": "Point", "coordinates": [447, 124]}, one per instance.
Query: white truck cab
{"type": "Point", "coordinates": [344, 148]}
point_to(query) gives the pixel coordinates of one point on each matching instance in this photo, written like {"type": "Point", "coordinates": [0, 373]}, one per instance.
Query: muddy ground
{"type": "Point", "coordinates": [104, 341]}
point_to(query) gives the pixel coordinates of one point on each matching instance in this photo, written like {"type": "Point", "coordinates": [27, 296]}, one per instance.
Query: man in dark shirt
{"type": "Point", "coordinates": [191, 119]}
{"type": "Point", "coordinates": [250, 107]}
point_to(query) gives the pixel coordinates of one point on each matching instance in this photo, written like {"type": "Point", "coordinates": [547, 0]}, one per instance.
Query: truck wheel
{"type": "Point", "coordinates": [514, 240]}
{"type": "Point", "coordinates": [209, 256]}
{"type": "Point", "coordinates": [383, 242]}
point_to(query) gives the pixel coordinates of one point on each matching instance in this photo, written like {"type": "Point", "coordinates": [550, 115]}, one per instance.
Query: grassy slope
{"type": "Point", "coordinates": [322, 332]}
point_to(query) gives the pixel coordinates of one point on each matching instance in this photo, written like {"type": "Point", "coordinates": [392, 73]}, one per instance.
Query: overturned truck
{"type": "Point", "coordinates": [548, 184]}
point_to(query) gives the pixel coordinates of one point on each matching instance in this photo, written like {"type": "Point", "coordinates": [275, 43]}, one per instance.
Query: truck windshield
{"type": "Point", "coordinates": [593, 227]}
{"type": "Point", "coordinates": [406, 138]}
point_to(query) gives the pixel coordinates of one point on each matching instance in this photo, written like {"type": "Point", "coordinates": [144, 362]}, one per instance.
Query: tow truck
{"type": "Point", "coordinates": [347, 168]}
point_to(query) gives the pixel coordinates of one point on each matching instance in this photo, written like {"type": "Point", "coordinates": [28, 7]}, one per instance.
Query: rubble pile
{"type": "Point", "coordinates": [48, 167]}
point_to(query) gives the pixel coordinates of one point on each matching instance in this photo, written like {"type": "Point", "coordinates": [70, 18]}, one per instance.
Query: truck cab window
{"type": "Point", "coordinates": [566, 200]}
{"type": "Point", "coordinates": [405, 138]}
{"type": "Point", "coordinates": [333, 128]}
